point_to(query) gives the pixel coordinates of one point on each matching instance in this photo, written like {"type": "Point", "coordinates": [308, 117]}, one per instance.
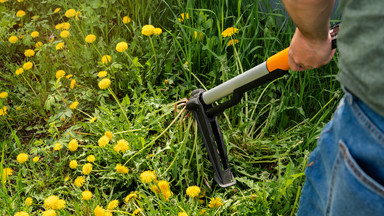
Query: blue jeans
{"type": "Point", "coordinates": [345, 173]}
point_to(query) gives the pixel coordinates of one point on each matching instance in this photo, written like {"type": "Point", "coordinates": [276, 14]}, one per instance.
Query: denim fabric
{"type": "Point", "coordinates": [345, 173]}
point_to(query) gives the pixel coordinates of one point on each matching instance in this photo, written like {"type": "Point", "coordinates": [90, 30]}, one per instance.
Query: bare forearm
{"type": "Point", "coordinates": [311, 16]}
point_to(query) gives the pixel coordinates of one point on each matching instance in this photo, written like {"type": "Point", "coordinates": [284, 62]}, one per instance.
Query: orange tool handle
{"type": "Point", "coordinates": [278, 61]}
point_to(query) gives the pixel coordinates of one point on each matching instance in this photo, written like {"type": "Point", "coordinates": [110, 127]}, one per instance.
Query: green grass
{"type": "Point", "coordinates": [269, 135]}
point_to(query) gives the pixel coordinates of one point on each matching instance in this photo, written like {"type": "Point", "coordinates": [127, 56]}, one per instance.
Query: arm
{"type": "Point", "coordinates": [311, 44]}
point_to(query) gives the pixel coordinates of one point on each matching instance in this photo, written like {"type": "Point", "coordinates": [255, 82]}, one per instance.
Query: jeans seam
{"type": "Point", "coordinates": [358, 172]}
{"type": "Point", "coordinates": [367, 123]}
{"type": "Point", "coordinates": [331, 187]}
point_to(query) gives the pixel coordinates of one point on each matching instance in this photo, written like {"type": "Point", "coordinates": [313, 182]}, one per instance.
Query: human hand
{"type": "Point", "coordinates": [306, 53]}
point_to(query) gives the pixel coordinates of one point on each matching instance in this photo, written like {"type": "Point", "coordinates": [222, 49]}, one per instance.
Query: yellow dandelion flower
{"type": "Point", "coordinates": [57, 10]}
{"type": "Point", "coordinates": [64, 34]}
{"type": "Point", "coordinates": [148, 176]}
{"type": "Point", "coordinates": [229, 32]}
{"type": "Point", "coordinates": [104, 83]}
{"type": "Point", "coordinates": [121, 47]}
{"type": "Point", "coordinates": [59, 26]}
{"type": "Point", "coordinates": [106, 59]}
{"type": "Point", "coordinates": [20, 0]}
{"type": "Point", "coordinates": [86, 195]}
{"type": "Point", "coordinates": [99, 211]}
{"type": "Point", "coordinates": [121, 146]}
{"type": "Point", "coordinates": [21, 37]}
{"type": "Point", "coordinates": [6, 172]}
{"type": "Point", "coordinates": [74, 105]}
{"type": "Point", "coordinates": [51, 202]}
{"type": "Point", "coordinates": [215, 202]}
{"type": "Point", "coordinates": [102, 74]}
{"type": "Point", "coordinates": [19, 71]}
{"type": "Point", "coordinates": [201, 35]}
{"type": "Point", "coordinates": [163, 185]}
{"type": "Point", "coordinates": [113, 204]}
{"type": "Point", "coordinates": [232, 42]}
{"type": "Point", "coordinates": [36, 159]}
{"type": "Point", "coordinates": [108, 134]}
{"type": "Point", "coordinates": [193, 191]}
{"type": "Point", "coordinates": [131, 196]}
{"type": "Point", "coordinates": [60, 204]}
{"type": "Point", "coordinates": [103, 141]}
{"type": "Point", "coordinates": [20, 13]}
{"type": "Point", "coordinates": [73, 145]}
{"type": "Point", "coordinates": [91, 158]}
{"type": "Point", "coordinates": [157, 31]}
{"type": "Point", "coordinates": [57, 147]}
{"type": "Point", "coordinates": [92, 120]}
{"type": "Point", "coordinates": [35, 34]}
{"type": "Point", "coordinates": [13, 39]}
{"type": "Point", "coordinates": [164, 189]}
{"type": "Point", "coordinates": [49, 212]}
{"type": "Point", "coordinates": [182, 214]}
{"type": "Point", "coordinates": [3, 1]}
{"type": "Point", "coordinates": [3, 95]}
{"type": "Point", "coordinates": [65, 26]}
{"type": "Point", "coordinates": [137, 211]}
{"type": "Point", "coordinates": [29, 53]}
{"type": "Point", "coordinates": [3, 111]}
{"type": "Point", "coordinates": [79, 181]}
{"type": "Point", "coordinates": [122, 169]}
{"type": "Point", "coordinates": [147, 30]}
{"type": "Point", "coordinates": [167, 194]}
{"type": "Point", "coordinates": [38, 44]}
{"type": "Point", "coordinates": [126, 20]}
{"type": "Point", "coordinates": [87, 169]}
{"type": "Point", "coordinates": [22, 158]}
{"type": "Point", "coordinates": [73, 164]}
{"type": "Point", "coordinates": [69, 76]}
{"type": "Point", "coordinates": [70, 13]}
{"type": "Point", "coordinates": [28, 201]}
{"type": "Point", "coordinates": [22, 213]}
{"type": "Point", "coordinates": [184, 16]}
{"type": "Point", "coordinates": [60, 74]}
{"type": "Point", "coordinates": [203, 212]}
{"type": "Point", "coordinates": [59, 46]}
{"type": "Point", "coordinates": [90, 38]}
{"type": "Point", "coordinates": [72, 84]}
{"type": "Point", "coordinates": [27, 65]}
{"type": "Point", "coordinates": [254, 196]}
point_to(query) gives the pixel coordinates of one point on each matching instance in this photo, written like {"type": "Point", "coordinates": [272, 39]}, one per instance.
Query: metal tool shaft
{"type": "Point", "coordinates": [227, 87]}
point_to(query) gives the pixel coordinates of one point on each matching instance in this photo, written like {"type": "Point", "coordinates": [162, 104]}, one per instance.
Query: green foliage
{"type": "Point", "coordinates": [268, 135]}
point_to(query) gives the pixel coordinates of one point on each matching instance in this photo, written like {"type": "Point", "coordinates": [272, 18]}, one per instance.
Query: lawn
{"type": "Point", "coordinates": [93, 117]}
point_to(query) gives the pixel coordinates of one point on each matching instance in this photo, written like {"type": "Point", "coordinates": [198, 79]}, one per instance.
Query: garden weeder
{"type": "Point", "coordinates": [201, 103]}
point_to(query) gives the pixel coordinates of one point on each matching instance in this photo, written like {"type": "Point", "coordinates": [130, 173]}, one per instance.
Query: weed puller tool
{"type": "Point", "coordinates": [201, 103]}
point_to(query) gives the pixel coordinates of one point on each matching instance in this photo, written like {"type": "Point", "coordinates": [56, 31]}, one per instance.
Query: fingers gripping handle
{"type": "Point", "coordinates": [280, 59]}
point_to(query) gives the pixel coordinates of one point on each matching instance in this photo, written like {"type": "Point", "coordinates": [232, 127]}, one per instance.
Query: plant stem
{"type": "Point", "coordinates": [242, 71]}
{"type": "Point", "coordinates": [122, 110]}
{"type": "Point", "coordinates": [154, 52]}
{"type": "Point", "coordinates": [153, 141]}
{"type": "Point", "coordinates": [137, 69]}
{"type": "Point", "coordinates": [29, 85]}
